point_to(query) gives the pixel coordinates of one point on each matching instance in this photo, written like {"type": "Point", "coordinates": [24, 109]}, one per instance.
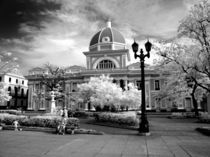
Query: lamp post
{"type": "Point", "coordinates": [144, 124]}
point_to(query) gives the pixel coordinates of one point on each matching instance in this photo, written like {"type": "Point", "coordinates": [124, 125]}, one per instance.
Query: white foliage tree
{"type": "Point", "coordinates": [100, 91]}
{"type": "Point", "coordinates": [196, 27]}
{"type": "Point", "coordinates": [4, 94]}
{"type": "Point", "coordinates": [188, 59]}
{"type": "Point", "coordinates": [7, 64]}
{"type": "Point", "coordinates": [131, 96]}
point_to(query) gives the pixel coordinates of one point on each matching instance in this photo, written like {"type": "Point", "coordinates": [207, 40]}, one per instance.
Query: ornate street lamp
{"type": "Point", "coordinates": [144, 124]}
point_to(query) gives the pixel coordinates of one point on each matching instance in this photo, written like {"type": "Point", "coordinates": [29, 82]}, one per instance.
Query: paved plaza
{"type": "Point", "coordinates": [168, 138]}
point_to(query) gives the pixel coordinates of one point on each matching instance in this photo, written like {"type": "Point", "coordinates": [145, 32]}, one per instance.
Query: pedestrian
{"type": "Point", "coordinates": [61, 112]}
{"type": "Point", "coordinates": [16, 125]}
{"type": "Point", "coordinates": [61, 129]}
{"type": "Point", "coordinates": [65, 112]}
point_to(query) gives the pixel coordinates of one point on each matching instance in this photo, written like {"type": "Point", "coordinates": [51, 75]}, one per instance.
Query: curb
{"type": "Point", "coordinates": [110, 125]}
{"type": "Point", "coordinates": [52, 130]}
{"type": "Point", "coordinates": [204, 130]}
{"type": "Point", "coordinates": [24, 128]}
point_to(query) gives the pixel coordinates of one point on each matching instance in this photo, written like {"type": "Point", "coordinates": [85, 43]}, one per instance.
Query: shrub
{"type": "Point", "coordinates": [70, 113]}
{"type": "Point", "coordinates": [14, 112]}
{"type": "Point", "coordinates": [204, 117]}
{"type": "Point", "coordinates": [113, 108]}
{"type": "Point", "coordinates": [106, 108]}
{"type": "Point", "coordinates": [80, 114]}
{"type": "Point", "coordinates": [37, 121]}
{"type": "Point", "coordinates": [98, 108]}
{"type": "Point", "coordinates": [182, 115]}
{"type": "Point", "coordinates": [8, 119]}
{"type": "Point", "coordinates": [117, 118]}
{"type": "Point", "coordinates": [72, 123]}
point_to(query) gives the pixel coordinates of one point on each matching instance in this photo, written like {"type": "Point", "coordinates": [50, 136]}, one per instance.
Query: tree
{"type": "Point", "coordinates": [131, 96]}
{"type": "Point", "coordinates": [101, 92]}
{"type": "Point", "coordinates": [54, 77]}
{"type": "Point", "coordinates": [177, 62]}
{"type": "Point", "coordinates": [4, 94]}
{"type": "Point", "coordinates": [7, 64]}
{"type": "Point", "coordinates": [51, 85]}
{"type": "Point", "coordinates": [188, 56]}
{"type": "Point", "coordinates": [196, 26]}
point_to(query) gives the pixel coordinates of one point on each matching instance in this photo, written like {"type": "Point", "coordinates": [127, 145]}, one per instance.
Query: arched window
{"type": "Point", "coordinates": [114, 81]}
{"type": "Point", "coordinates": [16, 91]}
{"type": "Point", "coordinates": [22, 92]}
{"type": "Point", "coordinates": [106, 64]}
{"type": "Point", "coordinates": [9, 89]}
{"type": "Point", "coordinates": [122, 84]}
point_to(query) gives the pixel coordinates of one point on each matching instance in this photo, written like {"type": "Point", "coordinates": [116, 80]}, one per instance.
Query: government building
{"type": "Point", "coordinates": [107, 55]}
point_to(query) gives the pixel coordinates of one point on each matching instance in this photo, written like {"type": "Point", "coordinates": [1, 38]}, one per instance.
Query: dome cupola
{"type": "Point", "coordinates": [107, 39]}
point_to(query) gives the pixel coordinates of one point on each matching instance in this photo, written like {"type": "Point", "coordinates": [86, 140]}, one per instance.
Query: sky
{"type": "Point", "coordinates": [36, 32]}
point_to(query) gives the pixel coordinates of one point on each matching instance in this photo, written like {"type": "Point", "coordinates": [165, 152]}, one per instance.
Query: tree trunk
{"type": "Point", "coordinates": [195, 103]}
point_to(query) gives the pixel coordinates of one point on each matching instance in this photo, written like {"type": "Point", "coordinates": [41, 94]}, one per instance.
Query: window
{"type": "Point", "coordinates": [114, 81]}
{"type": "Point", "coordinates": [37, 87]}
{"type": "Point", "coordinates": [22, 82]}
{"type": "Point", "coordinates": [122, 84]}
{"type": "Point", "coordinates": [0, 78]}
{"type": "Point", "coordinates": [10, 79]}
{"type": "Point", "coordinates": [22, 92]}
{"type": "Point", "coordinates": [42, 104]}
{"type": "Point", "coordinates": [17, 81]}
{"type": "Point", "coordinates": [9, 90]}
{"type": "Point", "coordinates": [138, 84]}
{"type": "Point", "coordinates": [16, 91]}
{"type": "Point", "coordinates": [74, 87]}
{"type": "Point", "coordinates": [106, 64]}
{"type": "Point", "coordinates": [157, 85]}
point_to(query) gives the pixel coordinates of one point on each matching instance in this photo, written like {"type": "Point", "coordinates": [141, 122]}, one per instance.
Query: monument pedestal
{"type": "Point", "coordinates": [53, 108]}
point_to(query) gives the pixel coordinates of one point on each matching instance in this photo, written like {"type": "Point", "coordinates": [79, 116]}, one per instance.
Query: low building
{"type": "Point", "coordinates": [17, 86]}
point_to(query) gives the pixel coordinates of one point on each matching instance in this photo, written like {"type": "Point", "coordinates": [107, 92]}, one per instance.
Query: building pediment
{"type": "Point", "coordinates": [136, 65]}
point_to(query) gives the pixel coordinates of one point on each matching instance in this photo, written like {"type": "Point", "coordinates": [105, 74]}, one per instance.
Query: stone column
{"type": "Point", "coordinates": [52, 110]}
{"type": "Point", "coordinates": [126, 84]}
{"type": "Point", "coordinates": [30, 97]}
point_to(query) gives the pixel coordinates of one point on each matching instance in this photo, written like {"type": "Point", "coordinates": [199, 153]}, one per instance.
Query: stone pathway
{"type": "Point", "coordinates": [165, 141]}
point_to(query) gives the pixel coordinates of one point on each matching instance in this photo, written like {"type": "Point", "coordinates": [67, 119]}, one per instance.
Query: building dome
{"type": "Point", "coordinates": [107, 39]}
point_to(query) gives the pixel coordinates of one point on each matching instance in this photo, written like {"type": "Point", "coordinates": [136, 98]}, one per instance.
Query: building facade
{"type": "Point", "coordinates": [17, 86]}
{"type": "Point", "coordinates": [107, 55]}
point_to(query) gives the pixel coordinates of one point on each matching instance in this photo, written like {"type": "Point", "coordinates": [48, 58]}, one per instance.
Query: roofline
{"type": "Point", "coordinates": [111, 52]}
{"type": "Point", "coordinates": [95, 45]}
{"type": "Point", "coordinates": [14, 75]}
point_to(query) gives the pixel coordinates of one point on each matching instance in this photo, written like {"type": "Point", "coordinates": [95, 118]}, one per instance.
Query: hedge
{"type": "Point", "coordinates": [15, 112]}
{"type": "Point", "coordinates": [116, 118]}
{"type": "Point", "coordinates": [37, 121]}
{"type": "Point", "coordinates": [83, 114]}
{"type": "Point", "coordinates": [204, 117]}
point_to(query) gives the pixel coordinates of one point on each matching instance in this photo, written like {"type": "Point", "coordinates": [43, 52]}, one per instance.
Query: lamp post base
{"type": "Point", "coordinates": [144, 133]}
{"type": "Point", "coordinates": [144, 126]}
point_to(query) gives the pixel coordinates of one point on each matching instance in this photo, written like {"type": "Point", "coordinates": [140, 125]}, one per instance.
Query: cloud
{"type": "Point", "coordinates": [58, 31]}
{"type": "Point", "coordinates": [15, 12]}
